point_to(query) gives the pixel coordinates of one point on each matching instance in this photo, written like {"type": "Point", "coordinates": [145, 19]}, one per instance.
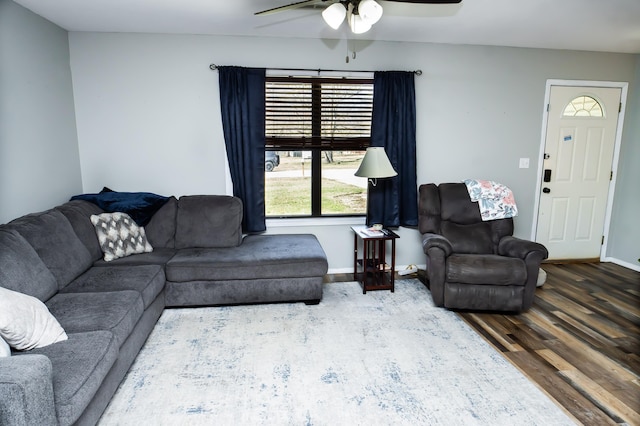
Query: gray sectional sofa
{"type": "Point", "coordinates": [199, 257]}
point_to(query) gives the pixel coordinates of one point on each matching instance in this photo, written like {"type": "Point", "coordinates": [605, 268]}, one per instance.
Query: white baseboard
{"type": "Point", "coordinates": [424, 266]}
{"type": "Point", "coordinates": [633, 266]}
{"type": "Point", "coordinates": [350, 270]}
{"type": "Point", "coordinates": [340, 271]}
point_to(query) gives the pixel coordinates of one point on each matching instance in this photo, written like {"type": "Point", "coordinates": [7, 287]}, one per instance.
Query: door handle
{"type": "Point", "coordinates": [547, 175]}
{"type": "Point", "coordinates": [546, 190]}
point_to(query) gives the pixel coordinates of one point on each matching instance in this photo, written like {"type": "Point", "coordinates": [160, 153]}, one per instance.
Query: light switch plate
{"type": "Point", "coordinates": [524, 163]}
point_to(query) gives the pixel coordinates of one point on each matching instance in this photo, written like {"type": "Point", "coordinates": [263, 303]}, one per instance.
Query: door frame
{"type": "Point", "coordinates": [616, 150]}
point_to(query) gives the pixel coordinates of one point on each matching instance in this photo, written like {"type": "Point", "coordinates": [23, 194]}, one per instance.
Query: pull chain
{"type": "Point", "coordinates": [347, 57]}
{"type": "Point", "coordinates": [353, 53]}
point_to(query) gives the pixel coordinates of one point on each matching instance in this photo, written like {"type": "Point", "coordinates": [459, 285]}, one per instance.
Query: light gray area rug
{"type": "Point", "coordinates": [377, 359]}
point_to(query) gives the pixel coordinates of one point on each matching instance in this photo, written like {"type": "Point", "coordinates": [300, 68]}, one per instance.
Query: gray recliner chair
{"type": "Point", "coordinates": [471, 264]}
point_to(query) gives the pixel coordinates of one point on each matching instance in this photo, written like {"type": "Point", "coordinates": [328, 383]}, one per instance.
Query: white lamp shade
{"type": "Point", "coordinates": [370, 11]}
{"type": "Point", "coordinates": [375, 164]}
{"type": "Point", "coordinates": [334, 15]}
{"type": "Point", "coordinates": [358, 25]}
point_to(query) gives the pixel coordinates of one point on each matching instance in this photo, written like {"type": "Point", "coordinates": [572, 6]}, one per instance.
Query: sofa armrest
{"type": "Point", "coordinates": [533, 254]}
{"type": "Point", "coordinates": [26, 391]}
{"type": "Point", "coordinates": [437, 248]}
{"type": "Point", "coordinates": [516, 247]}
{"type": "Point", "coordinates": [430, 241]}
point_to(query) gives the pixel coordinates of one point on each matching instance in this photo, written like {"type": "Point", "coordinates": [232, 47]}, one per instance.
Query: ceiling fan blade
{"type": "Point", "coordinates": [291, 6]}
{"type": "Point", "coordinates": [419, 10]}
{"type": "Point", "coordinates": [427, 1]}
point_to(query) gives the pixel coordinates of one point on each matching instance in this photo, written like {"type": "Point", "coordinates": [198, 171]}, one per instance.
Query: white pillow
{"type": "Point", "coordinates": [26, 323]}
{"type": "Point", "coordinates": [119, 235]}
{"type": "Point", "coordinates": [5, 350]}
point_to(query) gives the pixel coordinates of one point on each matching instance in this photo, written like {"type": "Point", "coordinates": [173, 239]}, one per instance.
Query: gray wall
{"type": "Point", "coordinates": [624, 234]}
{"type": "Point", "coordinates": [153, 100]}
{"type": "Point", "coordinates": [39, 161]}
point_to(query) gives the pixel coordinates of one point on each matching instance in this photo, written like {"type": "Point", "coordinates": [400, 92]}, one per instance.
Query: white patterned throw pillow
{"type": "Point", "coordinates": [119, 235]}
{"type": "Point", "coordinates": [26, 323]}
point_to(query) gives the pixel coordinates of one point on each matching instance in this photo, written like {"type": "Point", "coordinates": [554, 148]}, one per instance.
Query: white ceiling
{"type": "Point", "coordinates": [598, 25]}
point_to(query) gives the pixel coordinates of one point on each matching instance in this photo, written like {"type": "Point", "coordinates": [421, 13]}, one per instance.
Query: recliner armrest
{"type": "Point", "coordinates": [516, 247]}
{"type": "Point", "coordinates": [436, 241]}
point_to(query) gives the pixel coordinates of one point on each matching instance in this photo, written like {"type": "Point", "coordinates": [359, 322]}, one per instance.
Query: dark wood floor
{"type": "Point", "coordinates": [580, 342]}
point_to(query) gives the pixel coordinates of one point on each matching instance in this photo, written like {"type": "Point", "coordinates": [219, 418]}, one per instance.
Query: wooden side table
{"type": "Point", "coordinates": [370, 268]}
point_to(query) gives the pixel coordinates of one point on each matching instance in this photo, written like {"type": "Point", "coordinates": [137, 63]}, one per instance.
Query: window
{"type": "Point", "coordinates": [583, 106]}
{"type": "Point", "coordinates": [317, 131]}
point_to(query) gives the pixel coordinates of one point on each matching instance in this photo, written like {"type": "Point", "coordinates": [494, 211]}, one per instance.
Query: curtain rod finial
{"type": "Point", "coordinates": [213, 67]}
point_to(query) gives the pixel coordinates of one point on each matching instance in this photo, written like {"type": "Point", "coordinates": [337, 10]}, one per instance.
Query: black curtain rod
{"type": "Point", "coordinates": [214, 67]}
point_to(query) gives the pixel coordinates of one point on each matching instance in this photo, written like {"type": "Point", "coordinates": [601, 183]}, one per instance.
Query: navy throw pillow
{"type": "Point", "coordinates": [141, 206]}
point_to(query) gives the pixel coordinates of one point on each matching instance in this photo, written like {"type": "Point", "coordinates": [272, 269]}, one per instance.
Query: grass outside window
{"type": "Point", "coordinates": [287, 188]}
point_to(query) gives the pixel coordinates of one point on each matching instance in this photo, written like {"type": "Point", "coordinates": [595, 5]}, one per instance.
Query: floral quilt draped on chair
{"type": "Point", "coordinates": [494, 199]}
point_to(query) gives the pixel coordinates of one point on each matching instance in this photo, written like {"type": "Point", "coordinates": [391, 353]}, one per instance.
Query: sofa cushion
{"type": "Point", "coordinates": [159, 256]}
{"type": "Point", "coordinates": [208, 221]}
{"type": "Point", "coordinates": [471, 239]}
{"type": "Point", "coordinates": [21, 269]}
{"type": "Point", "coordinates": [259, 256]}
{"type": "Point", "coordinates": [486, 269]}
{"type": "Point", "coordinates": [456, 205]}
{"type": "Point", "coordinates": [55, 241]}
{"type": "Point", "coordinates": [78, 213]}
{"type": "Point", "coordinates": [115, 311]}
{"type": "Point", "coordinates": [161, 229]}
{"type": "Point", "coordinates": [119, 235]}
{"type": "Point", "coordinates": [26, 323]}
{"type": "Point", "coordinates": [80, 365]}
{"type": "Point", "coordinates": [148, 280]}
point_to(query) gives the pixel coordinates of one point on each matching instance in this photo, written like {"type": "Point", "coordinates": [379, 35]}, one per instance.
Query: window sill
{"type": "Point", "coordinates": [315, 221]}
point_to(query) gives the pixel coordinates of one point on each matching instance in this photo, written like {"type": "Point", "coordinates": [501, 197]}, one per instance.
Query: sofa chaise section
{"type": "Point", "coordinates": [215, 265]}
{"type": "Point", "coordinates": [264, 268]}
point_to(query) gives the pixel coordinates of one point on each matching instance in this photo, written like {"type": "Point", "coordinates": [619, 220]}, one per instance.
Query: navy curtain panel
{"type": "Point", "coordinates": [394, 201]}
{"type": "Point", "coordinates": [242, 101]}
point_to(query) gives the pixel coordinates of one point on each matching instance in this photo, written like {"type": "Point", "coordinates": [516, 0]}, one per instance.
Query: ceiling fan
{"type": "Point", "coordinates": [360, 14]}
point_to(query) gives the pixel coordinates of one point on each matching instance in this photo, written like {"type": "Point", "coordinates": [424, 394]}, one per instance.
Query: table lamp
{"type": "Point", "coordinates": [375, 165]}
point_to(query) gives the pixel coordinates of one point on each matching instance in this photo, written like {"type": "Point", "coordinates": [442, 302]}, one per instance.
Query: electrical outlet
{"type": "Point", "coordinates": [524, 163]}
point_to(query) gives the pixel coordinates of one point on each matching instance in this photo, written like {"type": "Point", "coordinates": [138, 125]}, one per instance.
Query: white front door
{"type": "Point", "coordinates": [577, 170]}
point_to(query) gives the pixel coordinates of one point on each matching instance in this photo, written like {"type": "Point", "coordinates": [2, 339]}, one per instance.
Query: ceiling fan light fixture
{"type": "Point", "coordinates": [334, 15]}
{"type": "Point", "coordinates": [357, 24]}
{"type": "Point", "coordinates": [370, 11]}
